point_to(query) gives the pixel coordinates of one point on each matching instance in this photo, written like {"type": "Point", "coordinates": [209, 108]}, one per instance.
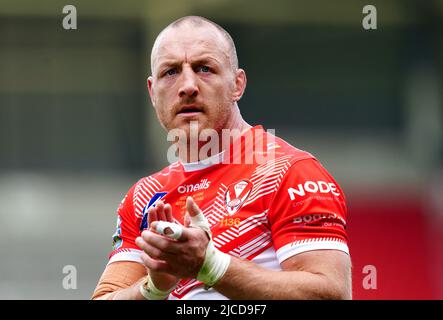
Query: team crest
{"type": "Point", "coordinates": [236, 195]}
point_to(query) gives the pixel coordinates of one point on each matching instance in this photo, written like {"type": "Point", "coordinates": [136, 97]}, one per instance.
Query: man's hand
{"type": "Point", "coordinates": [161, 212]}
{"type": "Point", "coordinates": [182, 258]}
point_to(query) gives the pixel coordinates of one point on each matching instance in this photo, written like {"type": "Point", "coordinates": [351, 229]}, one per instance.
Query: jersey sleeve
{"type": "Point", "coordinates": [127, 230]}
{"type": "Point", "coordinates": [308, 211]}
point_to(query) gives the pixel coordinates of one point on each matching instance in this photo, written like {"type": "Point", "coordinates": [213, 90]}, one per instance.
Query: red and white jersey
{"type": "Point", "coordinates": [264, 212]}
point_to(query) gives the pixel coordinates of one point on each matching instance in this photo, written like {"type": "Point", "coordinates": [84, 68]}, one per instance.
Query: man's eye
{"type": "Point", "coordinates": [204, 69]}
{"type": "Point", "coordinates": [171, 72]}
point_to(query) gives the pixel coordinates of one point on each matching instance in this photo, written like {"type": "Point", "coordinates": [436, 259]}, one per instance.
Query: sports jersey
{"type": "Point", "coordinates": [264, 211]}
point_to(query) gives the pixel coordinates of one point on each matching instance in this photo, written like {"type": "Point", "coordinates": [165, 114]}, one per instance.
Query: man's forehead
{"type": "Point", "coordinates": [200, 40]}
{"type": "Point", "coordinates": [191, 47]}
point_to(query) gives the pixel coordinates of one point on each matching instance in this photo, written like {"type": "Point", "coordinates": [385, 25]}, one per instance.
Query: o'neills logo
{"type": "Point", "coordinates": [202, 185]}
{"type": "Point", "coordinates": [236, 195]}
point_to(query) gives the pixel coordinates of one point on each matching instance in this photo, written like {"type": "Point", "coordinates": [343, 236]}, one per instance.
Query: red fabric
{"type": "Point", "coordinates": [391, 233]}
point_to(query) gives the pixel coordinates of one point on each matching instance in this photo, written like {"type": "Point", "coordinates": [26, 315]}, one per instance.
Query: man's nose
{"type": "Point", "coordinates": [189, 87]}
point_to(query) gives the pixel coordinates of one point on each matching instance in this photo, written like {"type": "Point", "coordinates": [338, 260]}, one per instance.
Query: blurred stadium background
{"type": "Point", "coordinates": [77, 129]}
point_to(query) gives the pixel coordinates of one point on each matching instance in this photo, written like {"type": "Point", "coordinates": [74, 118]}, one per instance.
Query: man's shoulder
{"type": "Point", "coordinates": [301, 163]}
{"type": "Point", "coordinates": [159, 178]}
{"type": "Point", "coordinates": [283, 148]}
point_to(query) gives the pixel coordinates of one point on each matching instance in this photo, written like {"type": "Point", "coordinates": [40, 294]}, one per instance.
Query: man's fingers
{"type": "Point", "coordinates": [168, 213]}
{"type": "Point", "coordinates": [183, 235]}
{"type": "Point", "coordinates": [160, 242]}
{"type": "Point", "coordinates": [160, 211]}
{"type": "Point", "coordinates": [155, 265]}
{"type": "Point", "coordinates": [170, 229]}
{"type": "Point", "coordinates": [191, 207]}
{"type": "Point", "coordinates": [153, 251]}
{"type": "Point", "coordinates": [187, 220]}
{"type": "Point", "coordinates": [148, 249]}
{"type": "Point", "coordinates": [152, 215]}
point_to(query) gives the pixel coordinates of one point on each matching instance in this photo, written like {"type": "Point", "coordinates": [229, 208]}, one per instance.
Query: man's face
{"type": "Point", "coordinates": [193, 79]}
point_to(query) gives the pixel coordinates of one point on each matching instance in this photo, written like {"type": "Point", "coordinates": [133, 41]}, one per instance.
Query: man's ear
{"type": "Point", "coordinates": [151, 90]}
{"type": "Point", "coordinates": [240, 84]}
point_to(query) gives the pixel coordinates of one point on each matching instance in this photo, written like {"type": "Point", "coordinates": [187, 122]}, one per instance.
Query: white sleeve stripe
{"type": "Point", "coordinates": [293, 248]}
{"type": "Point", "coordinates": [133, 255]}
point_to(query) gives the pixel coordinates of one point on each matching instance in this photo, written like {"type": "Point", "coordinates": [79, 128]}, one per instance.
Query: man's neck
{"type": "Point", "coordinates": [213, 146]}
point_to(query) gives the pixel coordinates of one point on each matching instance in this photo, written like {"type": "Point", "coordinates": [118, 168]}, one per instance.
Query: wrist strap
{"type": "Point", "coordinates": [215, 265]}
{"type": "Point", "coordinates": [150, 292]}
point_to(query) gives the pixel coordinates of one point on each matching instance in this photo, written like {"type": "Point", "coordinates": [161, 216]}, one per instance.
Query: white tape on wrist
{"type": "Point", "coordinates": [176, 229]}
{"type": "Point", "coordinates": [215, 265]}
{"type": "Point", "coordinates": [150, 292]}
{"type": "Point", "coordinates": [216, 262]}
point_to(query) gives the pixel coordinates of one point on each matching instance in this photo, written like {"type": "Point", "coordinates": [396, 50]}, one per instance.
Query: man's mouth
{"type": "Point", "coordinates": [190, 110]}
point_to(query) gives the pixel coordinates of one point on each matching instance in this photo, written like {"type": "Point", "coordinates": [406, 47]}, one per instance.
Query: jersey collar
{"type": "Point", "coordinates": [211, 161]}
{"type": "Point", "coordinates": [203, 164]}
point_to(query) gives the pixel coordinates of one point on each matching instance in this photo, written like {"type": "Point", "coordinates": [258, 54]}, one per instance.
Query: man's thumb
{"type": "Point", "coordinates": [191, 207]}
{"type": "Point", "coordinates": [197, 218]}
{"type": "Point", "coordinates": [187, 220]}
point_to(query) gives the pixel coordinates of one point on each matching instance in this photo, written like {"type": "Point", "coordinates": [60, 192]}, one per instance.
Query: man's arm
{"type": "Point", "coordinates": [121, 280]}
{"type": "Point", "coordinates": [320, 274]}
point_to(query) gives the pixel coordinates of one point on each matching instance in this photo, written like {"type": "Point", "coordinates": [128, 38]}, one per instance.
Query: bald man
{"type": "Point", "coordinates": [197, 229]}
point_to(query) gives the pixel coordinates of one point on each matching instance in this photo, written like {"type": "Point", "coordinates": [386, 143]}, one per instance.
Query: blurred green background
{"type": "Point", "coordinates": [77, 128]}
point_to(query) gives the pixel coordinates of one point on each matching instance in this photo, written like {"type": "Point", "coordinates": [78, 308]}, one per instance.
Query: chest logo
{"type": "Point", "coordinates": [236, 195]}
